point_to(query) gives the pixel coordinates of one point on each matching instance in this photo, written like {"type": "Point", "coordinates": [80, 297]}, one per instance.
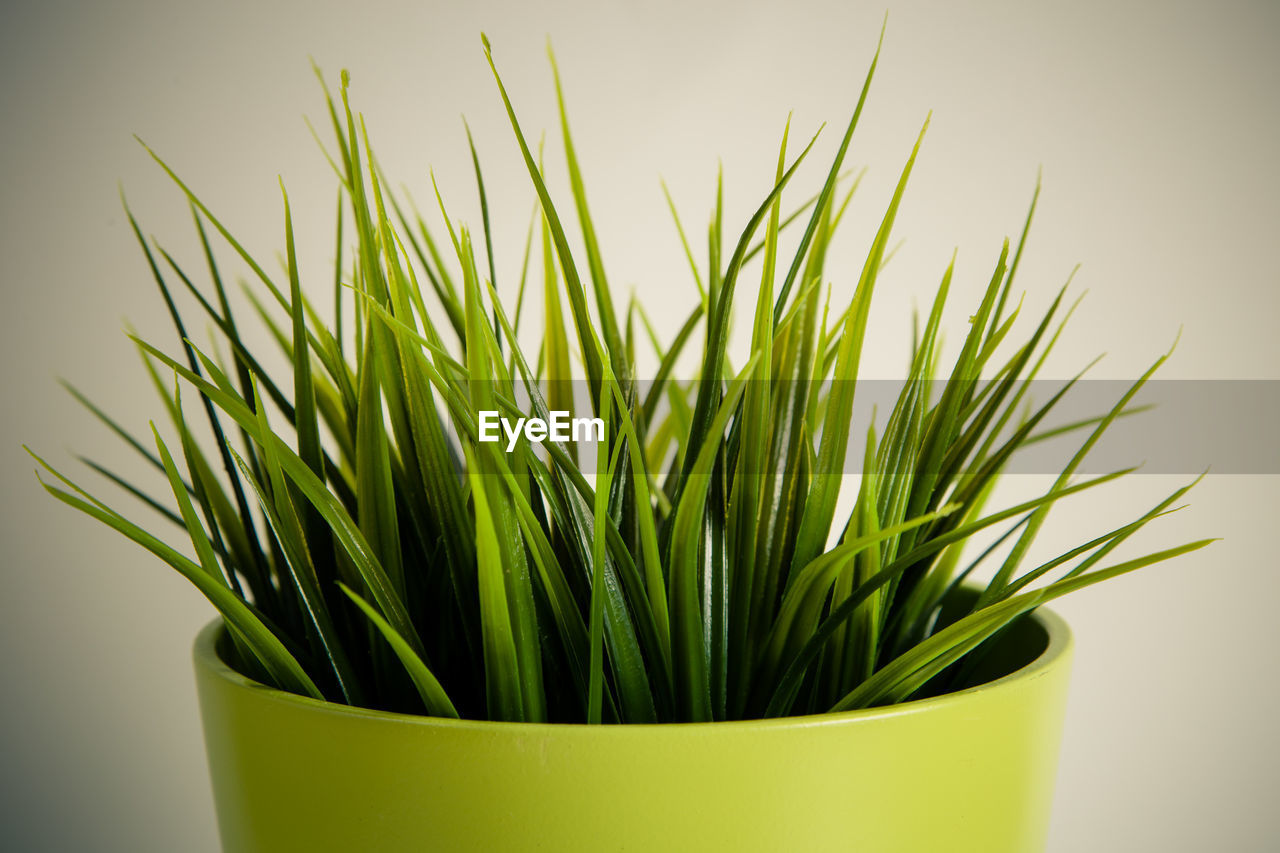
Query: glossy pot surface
{"type": "Point", "coordinates": [967, 771]}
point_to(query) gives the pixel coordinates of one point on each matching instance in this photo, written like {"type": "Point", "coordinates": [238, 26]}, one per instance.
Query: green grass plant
{"type": "Point", "coordinates": [364, 547]}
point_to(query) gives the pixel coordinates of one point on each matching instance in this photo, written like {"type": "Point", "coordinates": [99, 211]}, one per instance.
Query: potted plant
{"type": "Point", "coordinates": [473, 598]}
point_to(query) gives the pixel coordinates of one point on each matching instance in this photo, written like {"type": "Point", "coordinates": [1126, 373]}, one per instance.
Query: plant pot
{"type": "Point", "coordinates": [967, 771]}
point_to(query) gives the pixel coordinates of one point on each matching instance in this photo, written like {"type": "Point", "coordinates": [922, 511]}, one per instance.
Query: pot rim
{"type": "Point", "coordinates": [1057, 648]}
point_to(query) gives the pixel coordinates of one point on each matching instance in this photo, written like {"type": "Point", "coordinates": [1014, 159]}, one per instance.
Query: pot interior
{"type": "Point", "coordinates": [1015, 646]}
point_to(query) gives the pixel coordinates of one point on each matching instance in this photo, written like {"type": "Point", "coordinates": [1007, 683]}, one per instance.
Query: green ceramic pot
{"type": "Point", "coordinates": [967, 771]}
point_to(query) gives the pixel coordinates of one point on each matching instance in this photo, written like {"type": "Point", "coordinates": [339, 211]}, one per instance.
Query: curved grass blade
{"type": "Point", "coordinates": [690, 653]}
{"type": "Point", "coordinates": [820, 507]}
{"type": "Point", "coordinates": [783, 694]}
{"type": "Point", "coordinates": [266, 648]}
{"type": "Point", "coordinates": [829, 186]}
{"type": "Point", "coordinates": [914, 668]}
{"type": "Point", "coordinates": [344, 529]}
{"type": "Point", "coordinates": [432, 693]}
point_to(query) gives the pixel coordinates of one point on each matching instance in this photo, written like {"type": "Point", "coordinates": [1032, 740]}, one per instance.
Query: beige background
{"type": "Point", "coordinates": [1156, 125]}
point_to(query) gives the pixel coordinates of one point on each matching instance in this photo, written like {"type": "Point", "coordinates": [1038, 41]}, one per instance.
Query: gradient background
{"type": "Point", "coordinates": [1156, 124]}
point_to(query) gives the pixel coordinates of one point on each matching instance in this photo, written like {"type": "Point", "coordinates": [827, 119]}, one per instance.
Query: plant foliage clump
{"type": "Point", "coordinates": [365, 547]}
